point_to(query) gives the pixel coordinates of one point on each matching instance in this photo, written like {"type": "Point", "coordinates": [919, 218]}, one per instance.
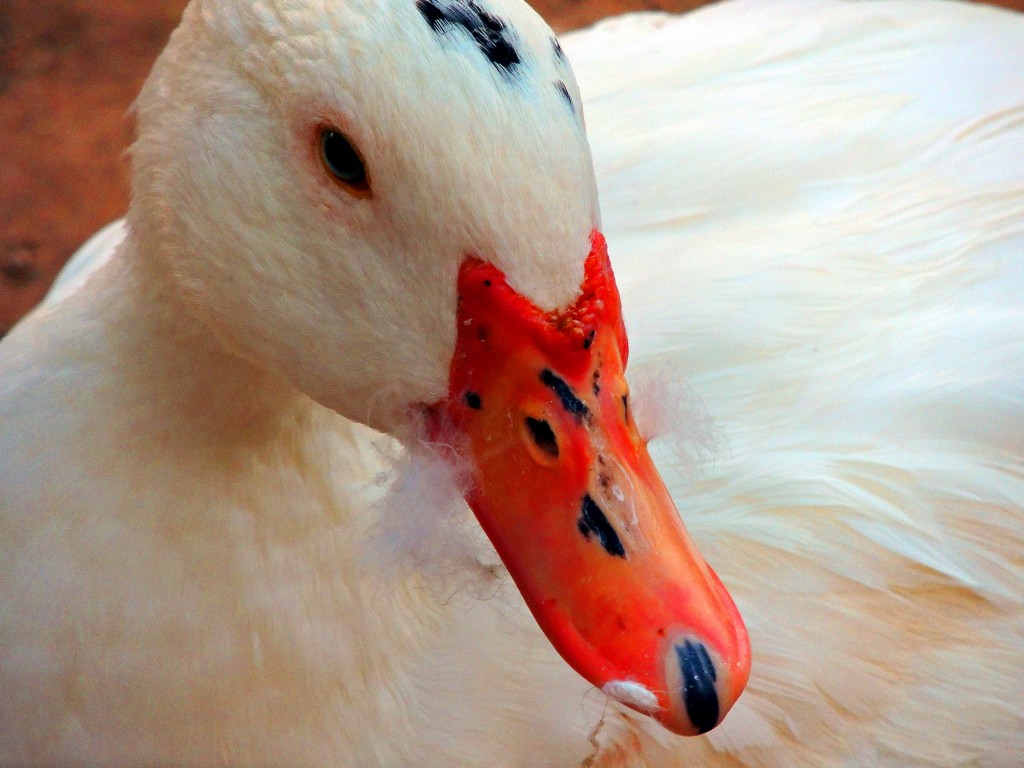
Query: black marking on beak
{"type": "Point", "coordinates": [570, 402]}
{"type": "Point", "coordinates": [699, 691]}
{"type": "Point", "coordinates": [593, 521]}
{"type": "Point", "coordinates": [473, 401]}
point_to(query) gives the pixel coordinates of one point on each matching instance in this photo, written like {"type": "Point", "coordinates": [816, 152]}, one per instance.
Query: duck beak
{"type": "Point", "coordinates": [564, 487]}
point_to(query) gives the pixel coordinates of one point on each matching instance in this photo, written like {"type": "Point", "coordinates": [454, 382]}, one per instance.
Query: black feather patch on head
{"type": "Point", "coordinates": [557, 48]}
{"type": "Point", "coordinates": [560, 87]}
{"type": "Point", "coordinates": [491, 34]}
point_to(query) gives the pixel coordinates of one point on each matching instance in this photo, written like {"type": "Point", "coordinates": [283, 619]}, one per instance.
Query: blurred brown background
{"type": "Point", "coordinates": [68, 71]}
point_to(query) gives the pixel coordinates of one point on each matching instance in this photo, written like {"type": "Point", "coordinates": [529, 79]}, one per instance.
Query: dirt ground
{"type": "Point", "coordinates": [68, 71]}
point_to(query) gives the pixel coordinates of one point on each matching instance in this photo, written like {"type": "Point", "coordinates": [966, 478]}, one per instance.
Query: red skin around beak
{"type": "Point", "coordinates": [565, 489]}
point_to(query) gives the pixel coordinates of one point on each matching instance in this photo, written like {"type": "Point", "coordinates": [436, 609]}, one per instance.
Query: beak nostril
{"type": "Point", "coordinates": [543, 436]}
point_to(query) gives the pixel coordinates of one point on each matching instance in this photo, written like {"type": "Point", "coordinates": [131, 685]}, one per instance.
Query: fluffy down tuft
{"type": "Point", "coordinates": [426, 529]}
{"type": "Point", "coordinates": [671, 416]}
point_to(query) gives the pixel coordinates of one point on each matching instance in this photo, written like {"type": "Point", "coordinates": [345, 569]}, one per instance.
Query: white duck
{"type": "Point", "coordinates": [816, 213]}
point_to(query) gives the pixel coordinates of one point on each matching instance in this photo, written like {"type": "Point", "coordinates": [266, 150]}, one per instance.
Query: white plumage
{"type": "Point", "coordinates": [816, 215]}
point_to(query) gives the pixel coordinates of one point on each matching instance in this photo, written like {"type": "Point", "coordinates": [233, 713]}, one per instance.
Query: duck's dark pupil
{"type": "Point", "coordinates": [341, 159]}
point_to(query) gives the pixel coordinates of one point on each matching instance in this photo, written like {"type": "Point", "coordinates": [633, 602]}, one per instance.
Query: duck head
{"type": "Point", "coordinates": [391, 204]}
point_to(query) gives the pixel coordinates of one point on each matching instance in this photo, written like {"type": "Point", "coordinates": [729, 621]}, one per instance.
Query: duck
{"type": "Point", "coordinates": [328, 454]}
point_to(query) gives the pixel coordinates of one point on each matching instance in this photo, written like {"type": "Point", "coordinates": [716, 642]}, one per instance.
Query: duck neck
{"type": "Point", "coordinates": [174, 361]}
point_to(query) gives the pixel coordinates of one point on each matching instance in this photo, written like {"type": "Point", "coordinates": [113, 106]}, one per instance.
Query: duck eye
{"type": "Point", "coordinates": [342, 161]}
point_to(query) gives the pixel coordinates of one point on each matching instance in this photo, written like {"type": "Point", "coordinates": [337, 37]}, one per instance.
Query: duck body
{"type": "Point", "coordinates": [816, 218]}
{"type": "Point", "coordinates": [173, 626]}
{"type": "Point", "coordinates": [845, 264]}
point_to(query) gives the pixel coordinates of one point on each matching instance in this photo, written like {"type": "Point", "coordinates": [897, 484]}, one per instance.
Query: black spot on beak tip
{"type": "Point", "coordinates": [593, 521]}
{"type": "Point", "coordinates": [699, 692]}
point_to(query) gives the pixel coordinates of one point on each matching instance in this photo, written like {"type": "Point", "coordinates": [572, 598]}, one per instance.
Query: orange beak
{"type": "Point", "coordinates": [565, 489]}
